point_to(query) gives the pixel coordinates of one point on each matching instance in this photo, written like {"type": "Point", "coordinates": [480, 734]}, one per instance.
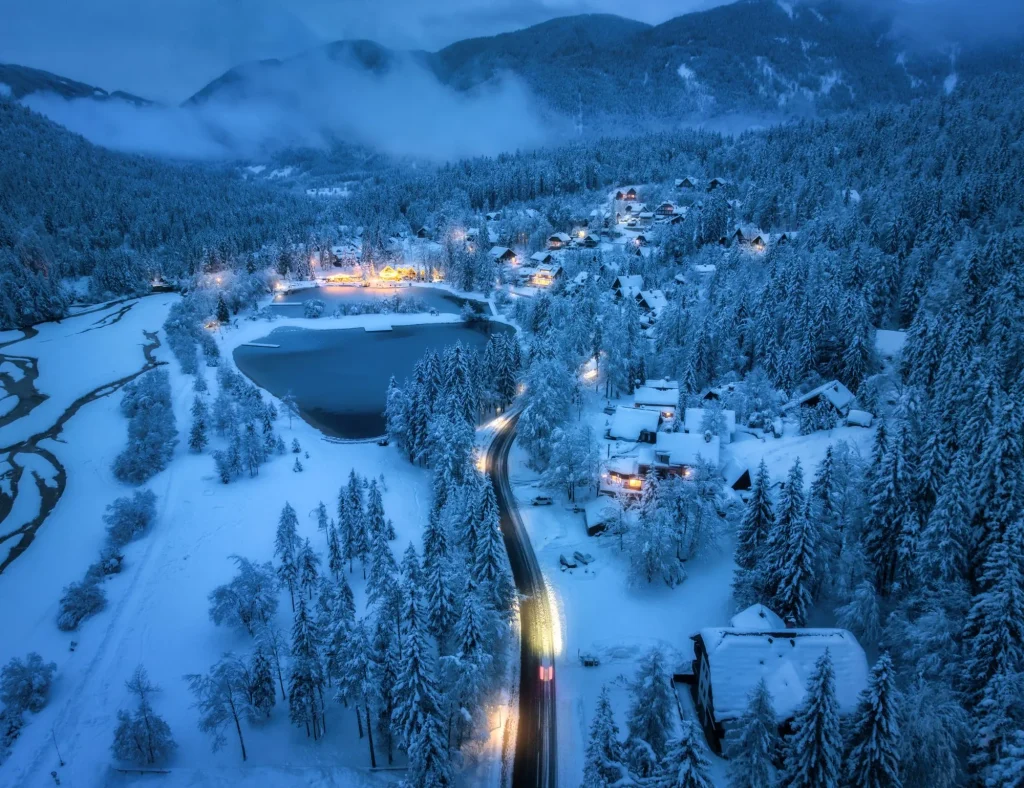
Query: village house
{"type": "Point", "coordinates": [651, 302]}
{"type": "Point", "coordinates": [559, 241]}
{"type": "Point", "coordinates": [751, 236]}
{"type": "Point", "coordinates": [686, 183]}
{"type": "Point", "coordinates": [621, 474]}
{"type": "Point", "coordinates": [784, 238]}
{"type": "Point", "coordinates": [590, 241]}
{"type": "Point", "coordinates": [833, 393]}
{"type": "Point", "coordinates": [502, 254]}
{"type": "Point", "coordinates": [577, 282]}
{"type": "Point", "coordinates": [696, 419]}
{"type": "Point", "coordinates": [729, 662]}
{"type": "Point", "coordinates": [546, 275]}
{"type": "Point", "coordinates": [391, 273]}
{"type": "Point", "coordinates": [634, 424]}
{"type": "Point", "coordinates": [661, 384]}
{"type": "Point", "coordinates": [665, 209]}
{"type": "Point", "coordinates": [662, 400]}
{"type": "Point", "coordinates": [715, 183]}
{"type": "Point", "coordinates": [737, 476]}
{"type": "Point", "coordinates": [627, 194]}
{"type": "Point", "coordinates": [627, 285]}
{"type": "Point", "coordinates": [640, 240]}
{"type": "Point", "coordinates": [679, 454]}
{"type": "Point", "coordinates": [424, 232]}
{"type": "Point", "coordinates": [542, 258]}
{"type": "Point", "coordinates": [493, 216]}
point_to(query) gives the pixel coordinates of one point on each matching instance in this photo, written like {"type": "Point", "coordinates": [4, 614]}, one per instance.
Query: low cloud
{"type": "Point", "coordinates": [313, 102]}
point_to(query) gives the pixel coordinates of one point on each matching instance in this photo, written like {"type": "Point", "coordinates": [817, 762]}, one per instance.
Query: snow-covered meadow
{"type": "Point", "coordinates": [156, 612]}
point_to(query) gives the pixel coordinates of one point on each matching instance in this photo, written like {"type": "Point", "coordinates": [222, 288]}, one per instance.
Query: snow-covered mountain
{"type": "Point", "coordinates": [22, 81]}
{"type": "Point", "coordinates": [757, 56]}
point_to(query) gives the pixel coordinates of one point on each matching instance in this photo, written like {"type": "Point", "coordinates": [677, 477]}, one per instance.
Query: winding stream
{"type": "Point", "coordinates": [29, 397]}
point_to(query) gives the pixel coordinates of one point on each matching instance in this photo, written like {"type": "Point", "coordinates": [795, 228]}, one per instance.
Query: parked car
{"type": "Point", "coordinates": [383, 441]}
{"type": "Point", "coordinates": [542, 500]}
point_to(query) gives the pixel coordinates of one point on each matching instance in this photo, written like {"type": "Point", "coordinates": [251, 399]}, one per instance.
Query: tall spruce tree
{"type": "Point", "coordinates": [752, 757]}
{"type": "Point", "coordinates": [873, 740]}
{"type": "Point", "coordinates": [604, 759]}
{"type": "Point", "coordinates": [814, 752]}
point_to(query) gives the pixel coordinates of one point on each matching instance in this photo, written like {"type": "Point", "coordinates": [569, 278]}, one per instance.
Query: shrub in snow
{"type": "Point", "coordinates": [127, 518]}
{"type": "Point", "coordinates": [25, 684]}
{"type": "Point", "coordinates": [11, 724]}
{"type": "Point", "coordinates": [313, 308]}
{"type": "Point", "coordinates": [297, 467]}
{"type": "Point", "coordinates": [142, 737]}
{"type": "Point", "coordinates": [152, 434]}
{"type": "Point", "coordinates": [109, 563]}
{"type": "Point", "coordinates": [80, 600]}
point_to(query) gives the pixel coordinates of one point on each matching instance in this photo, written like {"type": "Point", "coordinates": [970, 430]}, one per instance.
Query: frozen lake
{"type": "Point", "coordinates": [340, 376]}
{"type": "Point", "coordinates": [340, 295]}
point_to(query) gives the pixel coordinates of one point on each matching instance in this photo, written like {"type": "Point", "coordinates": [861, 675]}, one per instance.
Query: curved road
{"type": "Point", "coordinates": [535, 764]}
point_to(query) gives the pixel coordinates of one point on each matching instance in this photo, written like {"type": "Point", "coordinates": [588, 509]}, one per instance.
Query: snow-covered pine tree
{"type": "Point", "coordinates": [335, 554]}
{"type": "Point", "coordinates": [382, 571]}
{"type": "Point", "coordinates": [416, 696]}
{"type": "Point", "coordinates": [323, 523]}
{"type": "Point", "coordinates": [357, 538]}
{"type": "Point", "coordinates": [652, 707]}
{"type": "Point", "coordinates": [861, 614]}
{"type": "Point", "coordinates": [286, 549]}
{"type": "Point", "coordinates": [752, 540]}
{"type": "Point", "coordinates": [795, 573]}
{"type": "Point", "coordinates": [998, 494]}
{"type": "Point", "coordinates": [355, 681]}
{"type": "Point", "coordinates": [309, 568]}
{"type": "Point", "coordinates": [873, 733]}
{"type": "Point", "coordinates": [385, 676]}
{"type": "Point", "coordinates": [753, 755]}
{"type": "Point", "coordinates": [305, 680]}
{"type": "Point", "coordinates": [944, 555]}
{"type": "Point", "coordinates": [791, 506]}
{"type": "Point", "coordinates": [374, 511]}
{"type": "Point", "coordinates": [439, 585]}
{"type": "Point", "coordinates": [262, 694]}
{"type": "Point", "coordinates": [429, 760]}
{"type": "Point", "coordinates": [686, 764]}
{"type": "Point", "coordinates": [197, 437]}
{"type": "Point", "coordinates": [490, 568]}
{"type": "Point", "coordinates": [395, 415]}
{"type": "Point", "coordinates": [604, 759]}
{"type": "Point", "coordinates": [813, 753]}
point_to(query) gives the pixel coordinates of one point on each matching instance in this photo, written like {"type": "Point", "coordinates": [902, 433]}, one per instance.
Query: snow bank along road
{"type": "Point", "coordinates": [536, 737]}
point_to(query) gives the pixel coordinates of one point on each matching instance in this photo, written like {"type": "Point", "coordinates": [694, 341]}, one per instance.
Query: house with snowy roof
{"type": "Point", "coordinates": [502, 254]}
{"type": "Point", "coordinates": [729, 662]}
{"type": "Point", "coordinates": [634, 424]}
{"type": "Point", "coordinates": [652, 301]}
{"type": "Point", "coordinates": [665, 209]}
{"type": "Point", "coordinates": [687, 183]}
{"type": "Point", "coordinates": [628, 194]}
{"type": "Point", "coordinates": [699, 420]}
{"type": "Point", "coordinates": [748, 235]}
{"type": "Point", "coordinates": [679, 454]}
{"type": "Point", "coordinates": [716, 183]}
{"type": "Point", "coordinates": [542, 258]}
{"type": "Point", "coordinates": [662, 400]}
{"type": "Point", "coordinates": [627, 285]}
{"type": "Point", "coordinates": [833, 393]}
{"type": "Point", "coordinates": [661, 384]}
{"type": "Point", "coordinates": [559, 241]}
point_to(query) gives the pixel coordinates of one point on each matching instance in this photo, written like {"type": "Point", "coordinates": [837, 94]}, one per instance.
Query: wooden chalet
{"type": "Point", "coordinates": [559, 241]}
{"type": "Point", "coordinates": [665, 209]}
{"type": "Point", "coordinates": [502, 254]}
{"type": "Point", "coordinates": [729, 662]}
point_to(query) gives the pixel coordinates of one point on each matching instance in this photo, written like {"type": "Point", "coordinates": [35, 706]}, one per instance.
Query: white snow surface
{"type": "Point", "coordinates": [156, 612]}
{"type": "Point", "coordinates": [890, 343]}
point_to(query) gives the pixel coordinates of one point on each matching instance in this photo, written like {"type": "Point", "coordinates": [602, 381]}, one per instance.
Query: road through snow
{"type": "Point", "coordinates": [535, 764]}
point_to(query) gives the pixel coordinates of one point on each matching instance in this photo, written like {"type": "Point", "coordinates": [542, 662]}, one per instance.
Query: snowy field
{"type": "Point", "coordinates": [598, 611]}
{"type": "Point", "coordinates": [157, 607]}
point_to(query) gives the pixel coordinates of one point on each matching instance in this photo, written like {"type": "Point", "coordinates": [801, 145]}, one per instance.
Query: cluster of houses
{"type": "Point", "coordinates": [668, 442]}
{"type": "Point", "coordinates": [729, 662]}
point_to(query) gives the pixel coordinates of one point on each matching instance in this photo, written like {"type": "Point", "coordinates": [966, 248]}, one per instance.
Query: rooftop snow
{"type": "Point", "coordinates": [660, 397]}
{"type": "Point", "coordinates": [628, 423]}
{"type": "Point", "coordinates": [785, 659]}
{"type": "Point", "coordinates": [688, 450]}
{"type": "Point", "coordinates": [693, 420]}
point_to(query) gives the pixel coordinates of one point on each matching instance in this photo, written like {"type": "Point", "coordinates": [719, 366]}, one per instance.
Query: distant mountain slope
{"type": "Point", "coordinates": [24, 81]}
{"type": "Point", "coordinates": [751, 56]}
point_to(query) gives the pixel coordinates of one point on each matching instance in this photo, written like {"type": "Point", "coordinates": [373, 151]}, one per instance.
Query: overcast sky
{"type": "Point", "coordinates": [168, 49]}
